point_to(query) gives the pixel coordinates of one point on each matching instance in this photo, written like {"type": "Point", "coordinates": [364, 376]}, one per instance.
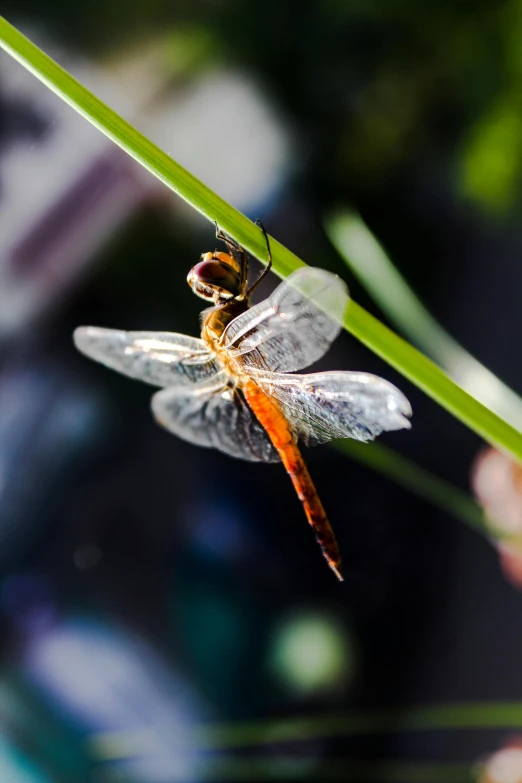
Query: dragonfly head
{"type": "Point", "coordinates": [216, 278]}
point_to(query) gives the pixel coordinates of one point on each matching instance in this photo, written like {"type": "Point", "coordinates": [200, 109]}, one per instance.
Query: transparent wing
{"type": "Point", "coordinates": [212, 415]}
{"type": "Point", "coordinates": [326, 405]}
{"type": "Point", "coordinates": [294, 327]}
{"type": "Point", "coordinates": [158, 358]}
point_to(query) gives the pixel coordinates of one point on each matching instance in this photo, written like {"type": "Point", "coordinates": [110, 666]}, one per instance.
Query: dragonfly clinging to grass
{"type": "Point", "coordinates": [236, 388]}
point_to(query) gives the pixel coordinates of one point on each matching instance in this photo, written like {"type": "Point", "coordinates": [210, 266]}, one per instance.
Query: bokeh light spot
{"type": "Point", "coordinates": [312, 652]}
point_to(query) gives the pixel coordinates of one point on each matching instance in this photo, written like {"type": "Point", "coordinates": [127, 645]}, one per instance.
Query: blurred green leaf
{"type": "Point", "coordinates": [366, 258]}
{"type": "Point", "coordinates": [504, 716]}
{"type": "Point", "coordinates": [492, 156]}
{"type": "Point", "coordinates": [479, 715]}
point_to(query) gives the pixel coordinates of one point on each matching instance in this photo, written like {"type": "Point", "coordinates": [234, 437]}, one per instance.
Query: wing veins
{"type": "Point", "coordinates": [294, 327]}
{"type": "Point", "coordinates": [322, 406]}
{"type": "Point", "coordinates": [275, 310]}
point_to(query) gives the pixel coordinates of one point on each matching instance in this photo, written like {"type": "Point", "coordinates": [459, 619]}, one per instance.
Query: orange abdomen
{"type": "Point", "coordinates": [279, 432]}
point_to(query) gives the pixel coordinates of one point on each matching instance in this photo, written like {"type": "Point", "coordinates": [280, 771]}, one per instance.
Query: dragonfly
{"type": "Point", "coordinates": [237, 388]}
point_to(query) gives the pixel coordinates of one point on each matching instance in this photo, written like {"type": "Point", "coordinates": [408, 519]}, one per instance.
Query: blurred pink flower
{"type": "Point", "coordinates": [504, 766]}
{"type": "Point", "coordinates": [497, 483]}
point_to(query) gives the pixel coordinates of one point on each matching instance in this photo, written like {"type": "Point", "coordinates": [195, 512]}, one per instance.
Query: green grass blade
{"type": "Point", "coordinates": [302, 767]}
{"type": "Point", "coordinates": [503, 716]}
{"type": "Point", "coordinates": [368, 261]}
{"type": "Point", "coordinates": [506, 716]}
{"type": "Point", "coordinates": [406, 359]}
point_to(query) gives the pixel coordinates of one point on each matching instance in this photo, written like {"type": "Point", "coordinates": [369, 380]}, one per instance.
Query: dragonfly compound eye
{"type": "Point", "coordinates": [216, 278]}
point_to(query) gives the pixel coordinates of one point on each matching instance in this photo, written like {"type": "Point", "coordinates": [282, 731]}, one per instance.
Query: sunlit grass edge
{"type": "Point", "coordinates": [397, 352]}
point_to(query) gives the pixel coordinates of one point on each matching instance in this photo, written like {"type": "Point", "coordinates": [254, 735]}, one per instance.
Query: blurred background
{"type": "Point", "coordinates": [164, 610]}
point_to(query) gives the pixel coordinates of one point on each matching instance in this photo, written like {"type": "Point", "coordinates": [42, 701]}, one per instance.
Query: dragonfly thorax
{"type": "Point", "coordinates": [216, 278]}
{"type": "Point", "coordinates": [215, 320]}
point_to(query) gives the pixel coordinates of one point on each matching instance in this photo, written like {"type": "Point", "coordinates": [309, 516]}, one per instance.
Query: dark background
{"type": "Point", "coordinates": [148, 584]}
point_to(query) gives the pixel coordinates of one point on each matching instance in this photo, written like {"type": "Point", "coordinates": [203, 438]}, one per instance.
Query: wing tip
{"type": "Point", "coordinates": [401, 410]}
{"type": "Point", "coordinates": [158, 413]}
{"type": "Point", "coordinates": [94, 341]}
{"type": "Point", "coordinates": [400, 421]}
{"type": "Point", "coordinates": [405, 424]}
{"type": "Point", "coordinates": [82, 336]}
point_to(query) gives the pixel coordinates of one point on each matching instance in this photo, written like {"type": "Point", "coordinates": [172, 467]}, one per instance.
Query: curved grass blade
{"type": "Point", "coordinates": [397, 352]}
{"type": "Point", "coordinates": [366, 258]}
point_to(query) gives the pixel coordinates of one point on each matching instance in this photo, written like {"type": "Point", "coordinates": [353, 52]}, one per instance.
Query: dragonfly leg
{"type": "Point", "coordinates": [268, 267]}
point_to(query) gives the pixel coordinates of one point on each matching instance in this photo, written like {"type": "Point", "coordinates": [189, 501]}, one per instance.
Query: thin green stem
{"type": "Point", "coordinates": [407, 360]}
{"type": "Point", "coordinates": [419, 481]}
{"type": "Point", "coordinates": [492, 715]}
{"type": "Point", "coordinates": [505, 716]}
